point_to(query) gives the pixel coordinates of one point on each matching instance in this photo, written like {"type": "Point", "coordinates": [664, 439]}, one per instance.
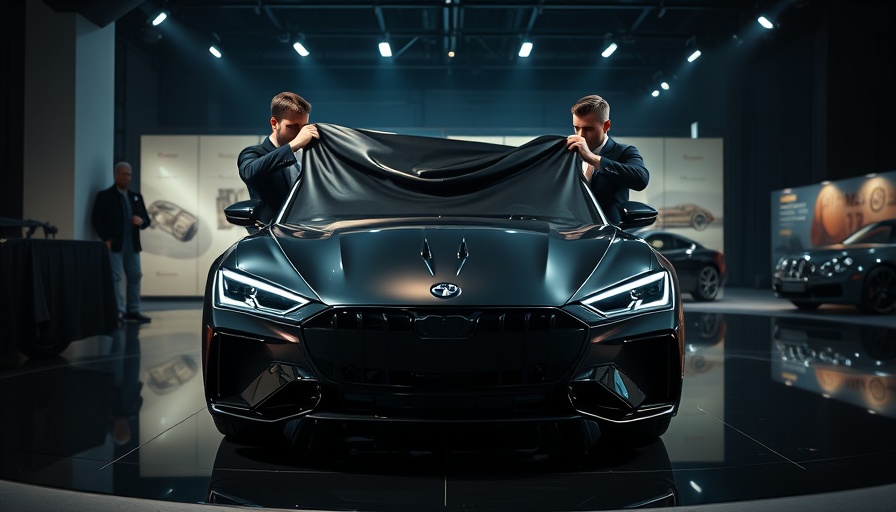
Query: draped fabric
{"type": "Point", "coordinates": [351, 173]}
{"type": "Point", "coordinates": [54, 292]}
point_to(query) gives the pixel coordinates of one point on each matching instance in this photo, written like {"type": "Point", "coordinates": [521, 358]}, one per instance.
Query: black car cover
{"type": "Point", "coordinates": [354, 173]}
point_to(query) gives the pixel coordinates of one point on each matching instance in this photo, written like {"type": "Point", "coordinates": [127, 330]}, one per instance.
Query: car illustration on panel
{"type": "Point", "coordinates": [418, 279]}
{"type": "Point", "coordinates": [684, 215]}
{"type": "Point", "coordinates": [860, 271]}
{"type": "Point", "coordinates": [701, 270]}
{"type": "Point", "coordinates": [173, 219]}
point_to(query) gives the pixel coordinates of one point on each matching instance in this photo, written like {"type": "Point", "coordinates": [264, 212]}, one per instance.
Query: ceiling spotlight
{"type": "Point", "coordinates": [525, 49]}
{"type": "Point", "coordinates": [655, 93]}
{"type": "Point", "coordinates": [665, 86]}
{"type": "Point", "coordinates": [451, 54]}
{"type": "Point", "coordinates": [300, 49]}
{"type": "Point", "coordinates": [694, 56]}
{"type": "Point", "coordinates": [162, 16]}
{"type": "Point", "coordinates": [766, 24]}
{"type": "Point", "coordinates": [214, 51]}
{"type": "Point", "coordinates": [609, 50]}
{"type": "Point", "coordinates": [385, 49]}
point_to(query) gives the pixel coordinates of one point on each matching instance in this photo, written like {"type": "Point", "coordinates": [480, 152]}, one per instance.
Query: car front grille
{"type": "Point", "coordinates": [797, 268]}
{"type": "Point", "coordinates": [444, 350]}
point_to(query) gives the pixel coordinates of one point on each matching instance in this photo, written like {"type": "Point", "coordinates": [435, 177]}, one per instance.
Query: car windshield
{"type": "Point", "coordinates": [871, 234]}
{"type": "Point", "coordinates": [357, 174]}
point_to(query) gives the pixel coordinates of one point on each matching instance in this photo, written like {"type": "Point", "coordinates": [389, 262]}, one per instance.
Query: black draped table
{"type": "Point", "coordinates": [53, 292]}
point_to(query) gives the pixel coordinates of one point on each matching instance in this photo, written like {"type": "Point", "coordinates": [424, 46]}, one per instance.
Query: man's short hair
{"type": "Point", "coordinates": [592, 103]}
{"type": "Point", "coordinates": [289, 102]}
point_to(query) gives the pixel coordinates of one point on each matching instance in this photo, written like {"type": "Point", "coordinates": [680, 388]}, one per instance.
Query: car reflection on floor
{"type": "Point", "coordinates": [852, 363]}
{"type": "Point", "coordinates": [452, 467]}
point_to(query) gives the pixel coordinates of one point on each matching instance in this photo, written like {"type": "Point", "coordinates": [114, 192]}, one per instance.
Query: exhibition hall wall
{"type": "Point", "coordinates": [188, 180]}
{"type": "Point", "coordinates": [826, 213]}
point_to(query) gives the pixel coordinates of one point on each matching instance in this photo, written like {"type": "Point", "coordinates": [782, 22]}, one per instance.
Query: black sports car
{"type": "Point", "coordinates": [701, 270]}
{"type": "Point", "coordinates": [860, 271]}
{"type": "Point", "coordinates": [411, 278]}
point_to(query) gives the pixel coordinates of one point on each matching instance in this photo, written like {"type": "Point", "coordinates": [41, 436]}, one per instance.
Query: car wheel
{"type": "Point", "coordinates": [879, 291]}
{"type": "Point", "coordinates": [634, 434]}
{"type": "Point", "coordinates": [806, 306]}
{"type": "Point", "coordinates": [708, 282]}
{"type": "Point", "coordinates": [699, 221]}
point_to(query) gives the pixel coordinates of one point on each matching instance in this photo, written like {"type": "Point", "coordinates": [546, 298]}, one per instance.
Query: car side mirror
{"type": "Point", "coordinates": [636, 215]}
{"type": "Point", "coordinates": [243, 213]}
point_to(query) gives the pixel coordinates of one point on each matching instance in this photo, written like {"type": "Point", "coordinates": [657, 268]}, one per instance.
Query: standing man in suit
{"type": "Point", "coordinates": [270, 169]}
{"type": "Point", "coordinates": [611, 169]}
{"type": "Point", "coordinates": [118, 216]}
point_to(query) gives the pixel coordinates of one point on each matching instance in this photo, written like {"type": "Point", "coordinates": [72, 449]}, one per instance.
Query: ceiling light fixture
{"type": "Point", "coordinates": [214, 51]}
{"type": "Point", "coordinates": [525, 49]}
{"type": "Point", "coordinates": [385, 49]}
{"type": "Point", "coordinates": [609, 50]}
{"type": "Point", "coordinates": [766, 24]}
{"type": "Point", "coordinates": [694, 56]}
{"type": "Point", "coordinates": [160, 17]}
{"type": "Point", "coordinates": [665, 86]}
{"type": "Point", "coordinates": [300, 49]}
{"type": "Point", "coordinates": [655, 93]}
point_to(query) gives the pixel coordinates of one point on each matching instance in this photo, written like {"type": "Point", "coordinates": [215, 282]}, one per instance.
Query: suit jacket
{"type": "Point", "coordinates": [265, 171]}
{"type": "Point", "coordinates": [621, 169]}
{"type": "Point", "coordinates": [108, 217]}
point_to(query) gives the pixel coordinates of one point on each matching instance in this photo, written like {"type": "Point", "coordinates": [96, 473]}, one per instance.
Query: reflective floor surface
{"type": "Point", "coordinates": [776, 403]}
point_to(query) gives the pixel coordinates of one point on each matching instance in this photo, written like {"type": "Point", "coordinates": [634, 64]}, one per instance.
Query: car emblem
{"type": "Point", "coordinates": [444, 290]}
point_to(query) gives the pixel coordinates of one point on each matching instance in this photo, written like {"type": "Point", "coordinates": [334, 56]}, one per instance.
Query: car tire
{"type": "Point", "coordinates": [806, 306]}
{"type": "Point", "coordinates": [634, 434]}
{"type": "Point", "coordinates": [699, 221]}
{"type": "Point", "coordinates": [708, 283]}
{"type": "Point", "coordinates": [879, 291]}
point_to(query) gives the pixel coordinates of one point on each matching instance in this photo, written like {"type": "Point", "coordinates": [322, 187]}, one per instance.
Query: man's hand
{"type": "Point", "coordinates": [305, 136]}
{"type": "Point", "coordinates": [137, 220]}
{"type": "Point", "coordinates": [578, 144]}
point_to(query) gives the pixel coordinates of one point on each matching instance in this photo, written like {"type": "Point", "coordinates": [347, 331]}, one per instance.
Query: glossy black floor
{"type": "Point", "coordinates": [789, 408]}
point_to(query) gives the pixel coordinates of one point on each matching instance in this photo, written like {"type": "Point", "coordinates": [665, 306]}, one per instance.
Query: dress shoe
{"type": "Point", "coordinates": [136, 317]}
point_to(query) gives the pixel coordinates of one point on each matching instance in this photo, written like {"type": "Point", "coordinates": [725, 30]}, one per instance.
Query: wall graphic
{"type": "Point", "coordinates": [686, 186]}
{"type": "Point", "coordinates": [826, 213]}
{"type": "Point", "coordinates": [188, 180]}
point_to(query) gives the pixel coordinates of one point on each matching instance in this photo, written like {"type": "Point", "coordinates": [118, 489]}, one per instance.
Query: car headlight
{"type": "Point", "coordinates": [836, 266]}
{"type": "Point", "coordinates": [240, 291]}
{"type": "Point", "coordinates": [644, 293]}
{"type": "Point", "coordinates": [779, 266]}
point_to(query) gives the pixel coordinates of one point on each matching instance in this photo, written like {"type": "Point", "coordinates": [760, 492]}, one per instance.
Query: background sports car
{"type": "Point", "coordinates": [701, 270]}
{"type": "Point", "coordinates": [684, 215]}
{"type": "Point", "coordinates": [433, 280]}
{"type": "Point", "coordinates": [860, 271]}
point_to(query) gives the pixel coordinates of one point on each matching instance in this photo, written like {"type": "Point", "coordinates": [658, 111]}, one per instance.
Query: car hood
{"type": "Point", "coordinates": [497, 265]}
{"type": "Point", "coordinates": [830, 251]}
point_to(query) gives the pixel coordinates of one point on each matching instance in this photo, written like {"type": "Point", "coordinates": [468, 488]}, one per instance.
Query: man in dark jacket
{"type": "Point", "coordinates": [271, 168]}
{"type": "Point", "coordinates": [118, 216]}
{"type": "Point", "coordinates": [611, 169]}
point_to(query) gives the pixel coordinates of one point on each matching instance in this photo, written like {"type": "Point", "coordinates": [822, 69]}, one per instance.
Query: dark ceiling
{"type": "Point", "coordinates": [654, 37]}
